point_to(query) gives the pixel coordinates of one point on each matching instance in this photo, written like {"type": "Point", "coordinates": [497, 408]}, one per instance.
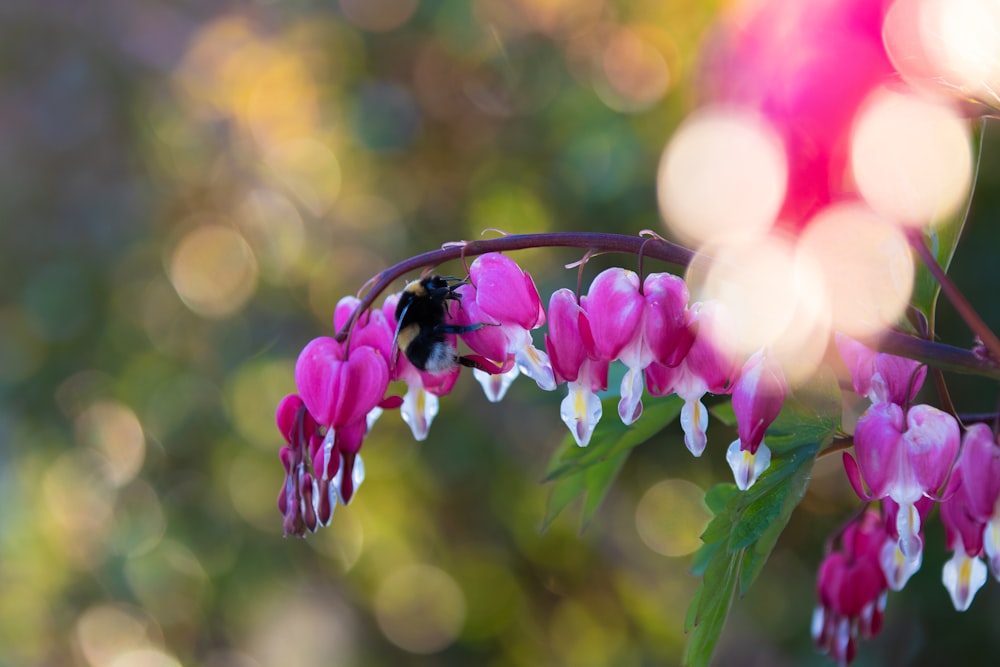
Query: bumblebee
{"type": "Point", "coordinates": [421, 330]}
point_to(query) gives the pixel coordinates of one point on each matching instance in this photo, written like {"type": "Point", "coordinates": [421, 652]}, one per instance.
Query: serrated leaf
{"type": "Point", "coordinates": [757, 517]}
{"type": "Point", "coordinates": [612, 437]}
{"type": "Point", "coordinates": [719, 496]}
{"type": "Point", "coordinates": [746, 526]}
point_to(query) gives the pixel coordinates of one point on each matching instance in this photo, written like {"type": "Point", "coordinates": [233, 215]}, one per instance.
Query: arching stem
{"type": "Point", "coordinates": [597, 241]}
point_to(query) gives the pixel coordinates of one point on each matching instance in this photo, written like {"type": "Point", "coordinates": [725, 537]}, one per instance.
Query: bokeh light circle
{"type": "Point", "coordinates": [670, 517]}
{"type": "Point", "coordinates": [866, 266]}
{"type": "Point", "coordinates": [947, 44]}
{"type": "Point", "coordinates": [761, 298]}
{"type": "Point", "coordinates": [114, 431]}
{"type": "Point", "coordinates": [378, 15]}
{"type": "Point", "coordinates": [105, 632]}
{"type": "Point", "coordinates": [911, 158]}
{"type": "Point", "coordinates": [213, 270]}
{"type": "Point", "coordinates": [420, 608]}
{"type": "Point", "coordinates": [722, 176]}
{"type": "Point", "coordinates": [636, 74]}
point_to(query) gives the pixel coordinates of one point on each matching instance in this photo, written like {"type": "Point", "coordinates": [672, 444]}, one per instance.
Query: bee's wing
{"type": "Point", "coordinates": [395, 336]}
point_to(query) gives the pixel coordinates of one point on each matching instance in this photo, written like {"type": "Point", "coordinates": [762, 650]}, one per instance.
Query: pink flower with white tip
{"type": "Point", "coordinates": [662, 335]}
{"type": "Point", "coordinates": [299, 495]}
{"type": "Point", "coordinates": [615, 311]}
{"type": "Point", "coordinates": [568, 342]}
{"type": "Point", "coordinates": [965, 573]}
{"type": "Point", "coordinates": [340, 389]}
{"type": "Point", "coordinates": [979, 465]}
{"type": "Point", "coordinates": [896, 567]}
{"type": "Point", "coordinates": [851, 590]}
{"type": "Point", "coordinates": [704, 369]}
{"type": "Point", "coordinates": [503, 296]}
{"type": "Point", "coordinates": [757, 399]}
{"type": "Point", "coordinates": [969, 513]}
{"type": "Point", "coordinates": [905, 456]}
{"type": "Point", "coordinates": [878, 376]}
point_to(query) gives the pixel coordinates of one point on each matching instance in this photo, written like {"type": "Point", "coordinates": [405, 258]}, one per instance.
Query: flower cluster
{"type": "Point", "coordinates": [852, 589]}
{"type": "Point", "coordinates": [910, 457]}
{"type": "Point", "coordinates": [852, 119]}
{"type": "Point", "coordinates": [665, 343]}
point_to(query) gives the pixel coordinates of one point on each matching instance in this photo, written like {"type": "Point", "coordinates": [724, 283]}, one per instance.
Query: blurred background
{"type": "Point", "coordinates": [186, 190]}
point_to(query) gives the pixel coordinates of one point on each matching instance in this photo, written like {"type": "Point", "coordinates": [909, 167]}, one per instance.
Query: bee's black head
{"type": "Point", "coordinates": [434, 287]}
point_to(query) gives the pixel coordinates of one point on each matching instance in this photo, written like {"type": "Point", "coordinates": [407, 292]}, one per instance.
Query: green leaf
{"type": "Point", "coordinates": [562, 493]}
{"type": "Point", "coordinates": [590, 471]}
{"type": "Point", "coordinates": [597, 482]}
{"type": "Point", "coordinates": [942, 239]}
{"type": "Point", "coordinates": [746, 526]}
{"type": "Point", "coordinates": [724, 413]}
{"type": "Point", "coordinates": [612, 437]}
{"type": "Point", "coordinates": [719, 496]}
{"type": "Point", "coordinates": [700, 562]}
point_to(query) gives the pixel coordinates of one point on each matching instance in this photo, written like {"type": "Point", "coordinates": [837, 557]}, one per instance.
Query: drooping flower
{"type": "Point", "coordinates": [757, 399]}
{"type": "Point", "coordinates": [661, 335]}
{"type": "Point", "coordinates": [340, 388]}
{"type": "Point", "coordinates": [704, 368]}
{"type": "Point", "coordinates": [904, 456]}
{"type": "Point", "coordinates": [568, 342]}
{"type": "Point", "coordinates": [502, 296]}
{"type": "Point", "coordinates": [968, 514]}
{"type": "Point", "coordinates": [979, 465]}
{"type": "Point", "coordinates": [852, 590]}
{"type": "Point", "coordinates": [965, 573]}
{"type": "Point", "coordinates": [881, 377]}
{"type": "Point", "coordinates": [896, 567]}
{"type": "Point", "coordinates": [295, 500]}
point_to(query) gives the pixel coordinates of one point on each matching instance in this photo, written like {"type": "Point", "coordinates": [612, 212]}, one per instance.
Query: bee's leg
{"type": "Point", "coordinates": [457, 329]}
{"type": "Point", "coordinates": [482, 363]}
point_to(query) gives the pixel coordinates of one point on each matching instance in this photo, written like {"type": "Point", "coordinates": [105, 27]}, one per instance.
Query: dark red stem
{"type": "Point", "coordinates": [942, 356]}
{"type": "Point", "coordinates": [958, 300]}
{"type": "Point", "coordinates": [595, 241]}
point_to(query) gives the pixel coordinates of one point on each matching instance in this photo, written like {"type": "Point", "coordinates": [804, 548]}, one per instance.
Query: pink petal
{"type": "Point", "coordinates": [897, 379]}
{"type": "Point", "coordinates": [980, 468]}
{"type": "Point", "coordinates": [716, 368]}
{"type": "Point", "coordinates": [932, 441]}
{"type": "Point", "coordinates": [665, 325]}
{"type": "Point", "coordinates": [506, 292]}
{"type": "Point", "coordinates": [317, 373]}
{"type": "Point", "coordinates": [878, 442]}
{"type": "Point", "coordinates": [564, 341]}
{"type": "Point", "coordinates": [757, 399]}
{"type": "Point", "coordinates": [363, 379]}
{"type": "Point", "coordinates": [860, 362]}
{"type": "Point", "coordinates": [614, 309]}
{"type": "Point", "coordinates": [286, 417]}
{"type": "Point", "coordinates": [343, 311]}
{"type": "Point", "coordinates": [492, 340]}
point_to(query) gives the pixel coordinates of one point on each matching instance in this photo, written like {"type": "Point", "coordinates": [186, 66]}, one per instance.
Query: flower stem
{"type": "Point", "coordinates": [656, 248]}
{"type": "Point", "coordinates": [938, 355]}
{"type": "Point", "coordinates": [958, 300]}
